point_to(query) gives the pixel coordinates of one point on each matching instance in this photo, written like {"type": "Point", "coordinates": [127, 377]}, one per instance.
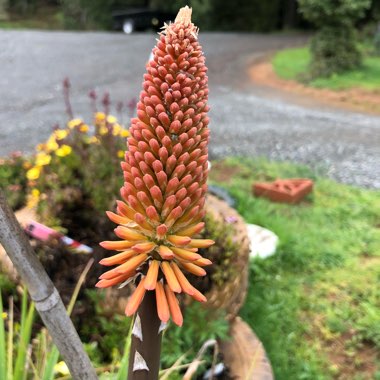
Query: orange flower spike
{"type": "Point", "coordinates": [203, 262]}
{"type": "Point", "coordinates": [185, 254]}
{"type": "Point", "coordinates": [194, 269]}
{"type": "Point", "coordinates": [183, 281]}
{"type": "Point", "coordinates": [162, 303]}
{"type": "Point", "coordinates": [190, 231]}
{"type": "Point", "coordinates": [117, 245]}
{"type": "Point", "coordinates": [124, 210]}
{"type": "Point", "coordinates": [117, 218]}
{"type": "Point", "coordinates": [165, 173]}
{"type": "Point", "coordinates": [135, 299]}
{"type": "Point", "coordinates": [197, 295]}
{"type": "Point", "coordinates": [144, 247]}
{"type": "Point", "coordinates": [171, 278]}
{"type": "Point", "coordinates": [114, 281]}
{"type": "Point", "coordinates": [179, 240]}
{"type": "Point", "coordinates": [128, 234]}
{"type": "Point", "coordinates": [151, 276]}
{"type": "Point", "coordinates": [132, 263]}
{"type": "Point", "coordinates": [119, 258]}
{"type": "Point", "coordinates": [201, 243]}
{"type": "Point", "coordinates": [165, 252]}
{"type": "Point", "coordinates": [174, 308]}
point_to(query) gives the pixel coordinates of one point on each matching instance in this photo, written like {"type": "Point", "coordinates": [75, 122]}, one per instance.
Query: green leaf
{"type": "Point", "coordinates": [3, 358]}
{"type": "Point", "coordinates": [50, 363]}
{"type": "Point", "coordinates": [123, 370]}
{"type": "Point", "coordinates": [24, 340]}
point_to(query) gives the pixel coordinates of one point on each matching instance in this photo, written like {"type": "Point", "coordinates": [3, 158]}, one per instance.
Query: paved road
{"type": "Point", "coordinates": [246, 119]}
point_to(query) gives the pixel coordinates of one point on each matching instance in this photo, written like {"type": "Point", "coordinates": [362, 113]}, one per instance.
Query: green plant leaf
{"type": "Point", "coordinates": [25, 334]}
{"type": "Point", "coordinates": [123, 370]}
{"type": "Point", "coordinates": [3, 357]}
{"type": "Point", "coordinates": [50, 363]}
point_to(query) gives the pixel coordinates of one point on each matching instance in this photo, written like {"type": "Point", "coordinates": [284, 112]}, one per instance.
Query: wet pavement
{"type": "Point", "coordinates": [245, 119]}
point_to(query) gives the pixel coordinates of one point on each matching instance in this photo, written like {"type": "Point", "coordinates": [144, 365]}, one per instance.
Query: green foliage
{"type": "Point", "coordinates": [334, 47]}
{"type": "Point", "coordinates": [67, 191]}
{"type": "Point", "coordinates": [199, 325]}
{"type": "Point", "coordinates": [293, 64]}
{"type": "Point", "coordinates": [15, 340]}
{"type": "Point", "coordinates": [222, 253]}
{"type": "Point", "coordinates": [90, 14]}
{"type": "Point", "coordinates": [13, 180]}
{"type": "Point", "coordinates": [327, 12]}
{"type": "Point", "coordinates": [253, 15]}
{"type": "Point", "coordinates": [369, 323]}
{"type": "Point", "coordinates": [334, 50]}
{"type": "Point", "coordinates": [103, 331]}
{"type": "Point", "coordinates": [321, 286]}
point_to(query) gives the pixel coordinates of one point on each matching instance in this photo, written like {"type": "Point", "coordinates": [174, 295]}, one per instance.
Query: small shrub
{"type": "Point", "coordinates": [13, 180]}
{"type": "Point", "coordinates": [334, 47]}
{"type": "Point", "coordinates": [72, 178]}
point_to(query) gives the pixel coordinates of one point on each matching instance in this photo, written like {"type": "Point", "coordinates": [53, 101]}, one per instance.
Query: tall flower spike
{"type": "Point", "coordinates": [165, 170]}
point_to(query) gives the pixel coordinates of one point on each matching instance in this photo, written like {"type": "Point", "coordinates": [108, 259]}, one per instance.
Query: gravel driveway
{"type": "Point", "coordinates": [246, 119]}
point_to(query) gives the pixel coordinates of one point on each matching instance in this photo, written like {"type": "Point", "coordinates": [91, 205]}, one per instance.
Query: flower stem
{"type": "Point", "coordinates": [144, 357]}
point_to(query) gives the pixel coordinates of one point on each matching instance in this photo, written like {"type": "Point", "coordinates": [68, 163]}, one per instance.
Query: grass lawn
{"type": "Point", "coordinates": [293, 63]}
{"type": "Point", "coordinates": [316, 303]}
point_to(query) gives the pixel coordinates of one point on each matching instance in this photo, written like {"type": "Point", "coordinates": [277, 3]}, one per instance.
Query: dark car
{"type": "Point", "coordinates": [133, 20]}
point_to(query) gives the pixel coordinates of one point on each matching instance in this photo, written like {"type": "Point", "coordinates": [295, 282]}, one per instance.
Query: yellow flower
{"type": "Point", "coordinates": [111, 119]}
{"type": "Point", "coordinates": [42, 159]}
{"type": "Point", "coordinates": [74, 123]}
{"type": "Point", "coordinates": [33, 173]}
{"type": "Point", "coordinates": [124, 133]}
{"type": "Point", "coordinates": [63, 151]}
{"type": "Point", "coordinates": [103, 130]}
{"type": "Point", "coordinates": [84, 128]}
{"type": "Point", "coordinates": [61, 368]}
{"type": "Point", "coordinates": [93, 140]}
{"type": "Point", "coordinates": [26, 165]}
{"type": "Point", "coordinates": [116, 129]}
{"type": "Point", "coordinates": [51, 144]}
{"type": "Point", "coordinates": [40, 147]}
{"type": "Point", "coordinates": [99, 117]}
{"type": "Point", "coordinates": [4, 315]}
{"type": "Point", "coordinates": [120, 153]}
{"type": "Point", "coordinates": [60, 134]}
{"type": "Point", "coordinates": [33, 198]}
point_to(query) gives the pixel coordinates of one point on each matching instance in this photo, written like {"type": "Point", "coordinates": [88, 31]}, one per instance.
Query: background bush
{"type": "Point", "coordinates": [334, 46]}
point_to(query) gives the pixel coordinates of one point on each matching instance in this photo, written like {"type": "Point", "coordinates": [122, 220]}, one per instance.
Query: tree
{"type": "Point", "coordinates": [334, 47]}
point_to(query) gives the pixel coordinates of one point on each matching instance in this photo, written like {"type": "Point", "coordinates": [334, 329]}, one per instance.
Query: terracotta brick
{"type": "Point", "coordinates": [284, 190]}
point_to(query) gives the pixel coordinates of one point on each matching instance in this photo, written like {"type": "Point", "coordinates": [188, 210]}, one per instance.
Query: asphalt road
{"type": "Point", "coordinates": [245, 119]}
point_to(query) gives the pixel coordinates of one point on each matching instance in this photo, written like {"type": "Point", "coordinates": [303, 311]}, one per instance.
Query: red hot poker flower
{"type": "Point", "coordinates": [165, 172]}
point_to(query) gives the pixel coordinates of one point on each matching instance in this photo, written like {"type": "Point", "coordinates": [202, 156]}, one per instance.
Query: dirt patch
{"type": "Point", "coordinates": [262, 73]}
{"type": "Point", "coordinates": [346, 356]}
{"type": "Point", "coordinates": [362, 363]}
{"type": "Point", "coordinates": [369, 261]}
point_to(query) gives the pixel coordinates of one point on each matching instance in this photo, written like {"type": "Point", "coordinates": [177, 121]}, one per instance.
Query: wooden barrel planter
{"type": "Point", "coordinates": [244, 354]}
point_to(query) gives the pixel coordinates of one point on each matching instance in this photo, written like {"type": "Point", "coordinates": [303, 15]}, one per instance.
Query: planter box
{"type": "Point", "coordinates": [244, 354]}
{"type": "Point", "coordinates": [284, 190]}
